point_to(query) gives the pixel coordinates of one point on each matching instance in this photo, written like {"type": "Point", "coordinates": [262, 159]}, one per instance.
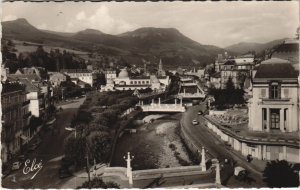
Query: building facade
{"type": "Point", "coordinates": [274, 103]}
{"type": "Point", "coordinates": [81, 74]}
{"type": "Point", "coordinates": [57, 78]}
{"type": "Point", "coordinates": [231, 69]}
{"type": "Point", "coordinates": [274, 108]}
{"type": "Point", "coordinates": [15, 118]}
{"type": "Point", "coordinates": [124, 82]}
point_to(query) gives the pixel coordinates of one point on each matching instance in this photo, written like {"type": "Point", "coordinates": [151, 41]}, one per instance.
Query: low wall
{"type": "Point", "coordinates": [217, 112]}
{"type": "Point", "coordinates": [120, 172]}
{"type": "Point", "coordinates": [190, 143]}
{"type": "Point", "coordinates": [260, 150]}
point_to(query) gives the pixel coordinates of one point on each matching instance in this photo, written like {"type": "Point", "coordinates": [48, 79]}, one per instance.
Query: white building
{"type": "Point", "coordinates": [81, 74]}
{"type": "Point", "coordinates": [110, 74]}
{"type": "Point", "coordinates": [57, 78]}
{"type": "Point", "coordinates": [274, 108]}
{"type": "Point", "coordinates": [243, 59]}
{"type": "Point", "coordinates": [124, 82]}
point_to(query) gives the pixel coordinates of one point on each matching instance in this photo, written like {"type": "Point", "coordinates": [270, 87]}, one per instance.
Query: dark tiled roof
{"type": "Point", "coordinates": [30, 77]}
{"type": "Point", "coordinates": [229, 62]}
{"type": "Point", "coordinates": [276, 70]}
{"type": "Point", "coordinates": [141, 85]}
{"type": "Point", "coordinates": [29, 87]}
{"type": "Point", "coordinates": [75, 71]}
{"type": "Point", "coordinates": [12, 87]}
{"type": "Point", "coordinates": [140, 77]}
{"type": "Point", "coordinates": [216, 75]}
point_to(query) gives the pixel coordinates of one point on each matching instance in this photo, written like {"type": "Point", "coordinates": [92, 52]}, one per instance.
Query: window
{"type": "Point", "coordinates": [274, 91]}
{"type": "Point", "coordinates": [275, 118]}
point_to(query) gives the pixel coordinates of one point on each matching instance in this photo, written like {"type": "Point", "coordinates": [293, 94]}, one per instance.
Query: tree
{"type": "Point", "coordinates": [229, 85]}
{"type": "Point", "coordinates": [75, 150]}
{"type": "Point", "coordinates": [99, 183]}
{"type": "Point", "coordinates": [241, 77]}
{"type": "Point", "coordinates": [51, 110]}
{"type": "Point", "coordinates": [99, 145]}
{"type": "Point", "coordinates": [280, 174]}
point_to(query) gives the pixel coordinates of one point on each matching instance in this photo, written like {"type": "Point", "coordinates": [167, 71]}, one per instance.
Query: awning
{"type": "Point", "coordinates": [23, 137]}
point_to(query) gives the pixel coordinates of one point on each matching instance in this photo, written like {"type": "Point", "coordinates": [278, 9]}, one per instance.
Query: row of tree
{"type": "Point", "coordinates": [93, 133]}
{"type": "Point", "coordinates": [55, 60]}
{"type": "Point", "coordinates": [226, 98]}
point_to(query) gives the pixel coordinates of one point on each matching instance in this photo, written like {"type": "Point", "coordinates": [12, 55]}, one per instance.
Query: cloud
{"type": "Point", "coordinates": [9, 18]}
{"type": "Point", "coordinates": [81, 16]}
{"type": "Point", "coordinates": [100, 20]}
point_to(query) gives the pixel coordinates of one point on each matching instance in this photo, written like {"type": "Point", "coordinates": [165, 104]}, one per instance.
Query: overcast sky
{"type": "Point", "coordinates": [215, 23]}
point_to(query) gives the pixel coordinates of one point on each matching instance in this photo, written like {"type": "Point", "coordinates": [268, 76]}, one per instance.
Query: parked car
{"type": "Point", "coordinates": [200, 112]}
{"type": "Point", "coordinates": [195, 122]}
{"type": "Point", "coordinates": [64, 172]}
{"type": "Point", "coordinates": [240, 173]}
{"type": "Point", "coordinates": [16, 165]}
{"type": "Point", "coordinates": [65, 163]}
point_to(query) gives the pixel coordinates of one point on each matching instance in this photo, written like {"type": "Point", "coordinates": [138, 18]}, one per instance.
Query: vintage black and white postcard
{"type": "Point", "coordinates": [150, 94]}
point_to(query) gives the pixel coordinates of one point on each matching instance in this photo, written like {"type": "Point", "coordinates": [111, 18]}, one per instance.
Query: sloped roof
{"type": "Point", "coordinates": [275, 60]}
{"type": "Point", "coordinates": [276, 70]}
{"type": "Point", "coordinates": [216, 75]}
{"type": "Point", "coordinates": [30, 77]}
{"type": "Point", "coordinates": [29, 87]}
{"type": "Point", "coordinates": [230, 62]}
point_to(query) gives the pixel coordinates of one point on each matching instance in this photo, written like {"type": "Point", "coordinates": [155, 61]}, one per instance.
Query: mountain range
{"type": "Point", "coordinates": [146, 43]}
{"type": "Point", "coordinates": [244, 47]}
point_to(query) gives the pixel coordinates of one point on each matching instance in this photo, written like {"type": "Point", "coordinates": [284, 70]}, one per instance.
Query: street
{"type": "Point", "coordinates": [201, 135]}
{"type": "Point", "coordinates": [49, 153]}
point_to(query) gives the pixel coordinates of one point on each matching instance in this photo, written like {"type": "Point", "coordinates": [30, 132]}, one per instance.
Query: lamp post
{"type": "Point", "coordinates": [218, 177]}
{"type": "Point", "coordinates": [129, 169]}
{"type": "Point", "coordinates": [203, 165]}
{"type": "Point", "coordinates": [87, 165]}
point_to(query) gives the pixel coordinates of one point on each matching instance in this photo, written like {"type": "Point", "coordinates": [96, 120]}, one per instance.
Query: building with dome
{"type": "Point", "coordinates": [274, 111]}
{"type": "Point", "coordinates": [125, 82]}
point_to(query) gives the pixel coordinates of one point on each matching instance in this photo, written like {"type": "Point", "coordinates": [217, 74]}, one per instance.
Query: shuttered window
{"type": "Point", "coordinates": [274, 90]}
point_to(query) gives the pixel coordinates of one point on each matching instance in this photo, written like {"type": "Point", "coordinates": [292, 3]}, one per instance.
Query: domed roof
{"type": "Point", "coordinates": [154, 79]}
{"type": "Point", "coordinates": [123, 74]}
{"type": "Point", "coordinates": [109, 81]}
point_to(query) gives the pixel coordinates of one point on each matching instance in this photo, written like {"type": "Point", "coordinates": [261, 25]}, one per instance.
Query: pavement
{"type": "Point", "coordinates": [202, 136]}
{"type": "Point", "coordinates": [49, 154]}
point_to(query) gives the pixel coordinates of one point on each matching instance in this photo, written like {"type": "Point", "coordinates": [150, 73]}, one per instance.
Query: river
{"type": "Point", "coordinates": [154, 145]}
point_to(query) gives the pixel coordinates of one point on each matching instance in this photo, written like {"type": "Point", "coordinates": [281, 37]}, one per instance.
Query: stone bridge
{"type": "Point", "coordinates": [158, 107]}
{"type": "Point", "coordinates": [164, 177]}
